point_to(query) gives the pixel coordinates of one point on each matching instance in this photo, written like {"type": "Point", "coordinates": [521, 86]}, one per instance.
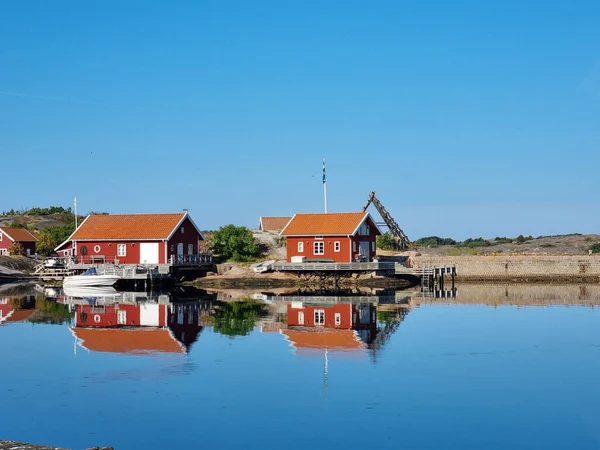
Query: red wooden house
{"type": "Point", "coordinates": [134, 239]}
{"type": "Point", "coordinates": [9, 236]}
{"type": "Point", "coordinates": [338, 237]}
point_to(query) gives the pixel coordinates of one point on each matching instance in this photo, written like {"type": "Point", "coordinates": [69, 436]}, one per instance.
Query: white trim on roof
{"type": "Point", "coordinates": [186, 215]}
{"type": "Point", "coordinates": [368, 216]}
{"type": "Point", "coordinates": [24, 229]}
{"type": "Point", "coordinates": [70, 237]}
{"type": "Point", "coordinates": [288, 224]}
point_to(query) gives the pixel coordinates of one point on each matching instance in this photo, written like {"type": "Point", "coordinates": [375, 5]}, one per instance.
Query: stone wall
{"type": "Point", "coordinates": [524, 268]}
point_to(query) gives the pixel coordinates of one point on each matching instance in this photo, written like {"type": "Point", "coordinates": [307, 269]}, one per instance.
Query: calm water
{"type": "Point", "coordinates": [487, 369]}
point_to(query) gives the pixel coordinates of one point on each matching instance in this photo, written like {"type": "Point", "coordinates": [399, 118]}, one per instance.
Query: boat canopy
{"type": "Point", "coordinates": [90, 271]}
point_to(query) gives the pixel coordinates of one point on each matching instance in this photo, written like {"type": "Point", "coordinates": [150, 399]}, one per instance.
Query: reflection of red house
{"type": "Point", "coordinates": [8, 236]}
{"type": "Point", "coordinates": [340, 237]}
{"type": "Point", "coordinates": [137, 328]}
{"type": "Point", "coordinates": [341, 326]}
{"type": "Point", "coordinates": [133, 238]}
{"type": "Point", "coordinates": [8, 313]}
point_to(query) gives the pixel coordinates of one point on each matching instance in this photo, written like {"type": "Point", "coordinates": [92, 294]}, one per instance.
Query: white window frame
{"type": "Point", "coordinates": [337, 246]}
{"type": "Point", "coordinates": [121, 250]}
{"type": "Point", "coordinates": [122, 317]}
{"type": "Point", "coordinates": [1, 236]}
{"type": "Point", "coordinates": [300, 247]}
{"type": "Point", "coordinates": [319, 317]}
{"type": "Point", "coordinates": [318, 248]}
{"type": "Point", "coordinates": [338, 319]}
{"type": "Point", "coordinates": [300, 317]}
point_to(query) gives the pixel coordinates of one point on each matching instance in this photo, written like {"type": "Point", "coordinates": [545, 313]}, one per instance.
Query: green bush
{"type": "Point", "coordinates": [595, 248]}
{"type": "Point", "coordinates": [434, 241]}
{"type": "Point", "coordinates": [386, 241]}
{"type": "Point", "coordinates": [472, 243]}
{"type": "Point", "coordinates": [234, 243]}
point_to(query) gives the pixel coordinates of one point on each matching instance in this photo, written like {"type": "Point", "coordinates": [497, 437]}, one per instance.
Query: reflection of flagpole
{"type": "Point", "coordinates": [324, 186]}
{"type": "Point", "coordinates": [326, 373]}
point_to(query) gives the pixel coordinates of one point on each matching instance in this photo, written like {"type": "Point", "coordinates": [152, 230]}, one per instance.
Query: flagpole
{"type": "Point", "coordinates": [75, 203]}
{"type": "Point", "coordinates": [324, 186]}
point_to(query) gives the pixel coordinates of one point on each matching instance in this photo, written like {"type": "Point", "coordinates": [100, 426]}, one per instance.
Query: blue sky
{"type": "Point", "coordinates": [467, 118]}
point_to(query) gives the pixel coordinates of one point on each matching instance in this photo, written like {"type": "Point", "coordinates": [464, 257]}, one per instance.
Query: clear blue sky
{"type": "Point", "coordinates": [468, 118]}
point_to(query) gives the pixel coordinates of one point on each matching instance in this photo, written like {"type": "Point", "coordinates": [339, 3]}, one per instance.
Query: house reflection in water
{"type": "Point", "coordinates": [137, 328]}
{"type": "Point", "coordinates": [16, 308]}
{"type": "Point", "coordinates": [341, 327]}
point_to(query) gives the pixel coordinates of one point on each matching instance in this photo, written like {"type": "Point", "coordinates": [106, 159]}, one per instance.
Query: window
{"type": "Point", "coordinates": [300, 318]}
{"type": "Point", "coordinates": [182, 230]}
{"type": "Point", "coordinates": [354, 246]}
{"type": "Point", "coordinates": [338, 319]}
{"type": "Point", "coordinates": [319, 248]}
{"type": "Point", "coordinates": [0, 236]}
{"type": "Point", "coordinates": [319, 316]}
{"type": "Point", "coordinates": [121, 249]}
{"type": "Point", "coordinates": [373, 246]}
{"type": "Point", "coordinates": [122, 317]}
{"type": "Point", "coordinates": [190, 316]}
{"type": "Point", "coordinates": [300, 247]}
{"type": "Point", "coordinates": [190, 249]}
{"type": "Point", "coordinates": [336, 246]}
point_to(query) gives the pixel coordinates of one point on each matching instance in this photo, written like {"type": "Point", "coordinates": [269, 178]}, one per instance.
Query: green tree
{"type": "Point", "coordinates": [595, 248]}
{"type": "Point", "coordinates": [386, 241]}
{"type": "Point", "coordinates": [237, 318]}
{"type": "Point", "coordinates": [16, 249]}
{"type": "Point", "coordinates": [234, 243]}
{"type": "Point", "coordinates": [50, 238]}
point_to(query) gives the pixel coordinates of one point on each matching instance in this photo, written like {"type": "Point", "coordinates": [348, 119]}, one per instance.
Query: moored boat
{"type": "Point", "coordinates": [90, 278]}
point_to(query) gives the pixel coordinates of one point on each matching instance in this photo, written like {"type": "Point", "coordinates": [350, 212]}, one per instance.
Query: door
{"type": "Point", "coordinates": [149, 253]}
{"type": "Point", "coordinates": [149, 315]}
{"type": "Point", "coordinates": [180, 249]}
{"type": "Point", "coordinates": [122, 317]}
{"type": "Point", "coordinates": [364, 247]}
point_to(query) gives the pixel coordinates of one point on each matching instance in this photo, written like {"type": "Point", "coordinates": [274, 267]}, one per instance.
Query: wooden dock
{"type": "Point", "coordinates": [429, 276]}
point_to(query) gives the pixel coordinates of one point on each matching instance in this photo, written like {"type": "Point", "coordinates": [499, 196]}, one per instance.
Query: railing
{"type": "Point", "coordinates": [334, 267]}
{"type": "Point", "coordinates": [190, 259]}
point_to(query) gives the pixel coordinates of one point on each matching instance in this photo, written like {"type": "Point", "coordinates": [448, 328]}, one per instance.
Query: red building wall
{"type": "Point", "coordinates": [345, 311]}
{"type": "Point", "coordinates": [108, 249]}
{"type": "Point", "coordinates": [329, 246]}
{"type": "Point", "coordinates": [87, 317]}
{"type": "Point", "coordinates": [189, 236]}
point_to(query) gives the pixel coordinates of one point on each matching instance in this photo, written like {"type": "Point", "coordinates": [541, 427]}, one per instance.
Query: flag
{"type": "Point", "coordinates": [323, 170]}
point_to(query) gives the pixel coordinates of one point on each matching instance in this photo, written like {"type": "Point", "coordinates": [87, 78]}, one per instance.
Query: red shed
{"type": "Point", "coordinates": [8, 236]}
{"type": "Point", "coordinates": [134, 238]}
{"type": "Point", "coordinates": [340, 237]}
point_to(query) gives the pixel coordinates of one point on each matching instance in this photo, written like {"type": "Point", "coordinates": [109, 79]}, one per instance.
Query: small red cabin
{"type": "Point", "coordinates": [338, 237]}
{"type": "Point", "coordinates": [133, 239]}
{"type": "Point", "coordinates": [9, 236]}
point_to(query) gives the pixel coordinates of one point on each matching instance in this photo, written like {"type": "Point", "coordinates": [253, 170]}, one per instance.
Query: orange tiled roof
{"type": "Point", "coordinates": [324, 224]}
{"type": "Point", "coordinates": [136, 341]}
{"type": "Point", "coordinates": [274, 223]}
{"type": "Point", "coordinates": [19, 234]}
{"type": "Point", "coordinates": [128, 226]}
{"type": "Point", "coordinates": [326, 338]}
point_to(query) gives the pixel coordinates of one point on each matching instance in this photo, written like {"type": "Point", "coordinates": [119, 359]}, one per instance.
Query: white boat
{"type": "Point", "coordinates": [90, 278]}
{"type": "Point", "coordinates": [263, 266]}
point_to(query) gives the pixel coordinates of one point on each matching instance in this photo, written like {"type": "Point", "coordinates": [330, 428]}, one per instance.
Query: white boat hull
{"type": "Point", "coordinates": [90, 280]}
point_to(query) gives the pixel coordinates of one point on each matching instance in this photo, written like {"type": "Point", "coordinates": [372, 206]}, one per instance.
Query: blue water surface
{"type": "Point", "coordinates": [450, 376]}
